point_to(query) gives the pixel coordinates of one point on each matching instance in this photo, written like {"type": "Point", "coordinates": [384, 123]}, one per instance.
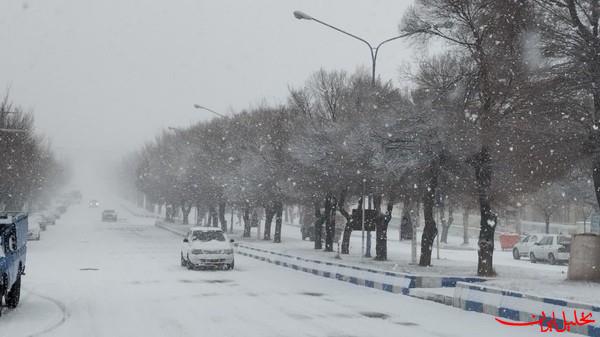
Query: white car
{"type": "Point", "coordinates": [207, 247]}
{"type": "Point", "coordinates": [522, 248]}
{"type": "Point", "coordinates": [552, 248]}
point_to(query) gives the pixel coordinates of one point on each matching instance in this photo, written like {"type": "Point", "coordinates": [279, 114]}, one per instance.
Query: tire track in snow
{"type": "Point", "coordinates": [64, 315]}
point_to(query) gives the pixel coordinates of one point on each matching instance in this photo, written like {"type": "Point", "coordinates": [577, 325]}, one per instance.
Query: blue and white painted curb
{"type": "Point", "coordinates": [416, 281]}
{"type": "Point", "coordinates": [518, 306]}
{"type": "Point", "coordinates": [335, 271]}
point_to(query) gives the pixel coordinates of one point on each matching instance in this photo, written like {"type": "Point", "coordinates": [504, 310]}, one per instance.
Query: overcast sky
{"type": "Point", "coordinates": [104, 76]}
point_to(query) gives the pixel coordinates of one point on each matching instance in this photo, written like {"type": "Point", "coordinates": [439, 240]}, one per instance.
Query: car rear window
{"type": "Point", "coordinates": [208, 236]}
{"type": "Point", "coordinates": [564, 240]}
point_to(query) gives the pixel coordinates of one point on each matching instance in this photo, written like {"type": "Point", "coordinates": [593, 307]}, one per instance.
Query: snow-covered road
{"type": "Point", "coordinates": [88, 278]}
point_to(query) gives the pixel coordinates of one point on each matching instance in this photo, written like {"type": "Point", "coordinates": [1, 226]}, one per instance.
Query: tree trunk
{"type": "Point", "coordinates": [278, 219]}
{"type": "Point", "coordinates": [222, 219]}
{"type": "Point", "coordinates": [406, 222]}
{"type": "Point", "coordinates": [246, 221]}
{"type": "Point", "coordinates": [483, 178]}
{"type": "Point", "coordinates": [596, 177]}
{"type": "Point", "coordinates": [330, 209]}
{"type": "Point", "coordinates": [465, 226]}
{"type": "Point", "coordinates": [430, 229]}
{"type": "Point", "coordinates": [318, 226]}
{"type": "Point", "coordinates": [447, 223]}
{"type": "Point", "coordinates": [186, 213]}
{"type": "Point", "coordinates": [383, 221]}
{"type": "Point", "coordinates": [301, 210]}
{"type": "Point", "coordinates": [269, 213]}
{"type": "Point", "coordinates": [348, 227]}
{"type": "Point", "coordinates": [547, 218]}
{"type": "Point", "coordinates": [198, 217]}
{"type": "Point", "coordinates": [215, 216]}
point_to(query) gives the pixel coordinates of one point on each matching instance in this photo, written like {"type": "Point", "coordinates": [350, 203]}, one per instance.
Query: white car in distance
{"type": "Point", "coordinates": [207, 247]}
{"type": "Point", "coordinates": [522, 248]}
{"type": "Point", "coordinates": [552, 248]}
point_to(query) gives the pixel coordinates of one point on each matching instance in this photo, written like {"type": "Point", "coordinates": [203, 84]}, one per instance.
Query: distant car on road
{"type": "Point", "coordinates": [207, 247]}
{"type": "Point", "coordinates": [522, 248]}
{"type": "Point", "coordinates": [33, 232]}
{"type": "Point", "coordinates": [94, 203]}
{"type": "Point", "coordinates": [61, 209]}
{"type": "Point", "coordinates": [45, 221]}
{"type": "Point", "coordinates": [552, 248]}
{"type": "Point", "coordinates": [109, 215]}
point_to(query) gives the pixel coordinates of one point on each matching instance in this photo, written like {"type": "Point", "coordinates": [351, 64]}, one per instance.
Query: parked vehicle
{"type": "Point", "coordinates": [13, 251]}
{"type": "Point", "coordinates": [552, 248]}
{"type": "Point", "coordinates": [61, 209]}
{"type": "Point", "coordinates": [45, 221]}
{"type": "Point", "coordinates": [207, 247]}
{"type": "Point", "coordinates": [75, 196]}
{"type": "Point", "coordinates": [33, 233]}
{"type": "Point", "coordinates": [109, 215]}
{"type": "Point", "coordinates": [522, 248]}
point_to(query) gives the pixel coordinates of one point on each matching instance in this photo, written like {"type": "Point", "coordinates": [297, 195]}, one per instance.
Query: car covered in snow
{"type": "Point", "coordinates": [207, 247]}
{"type": "Point", "coordinates": [553, 248]}
{"type": "Point", "coordinates": [13, 251]}
{"type": "Point", "coordinates": [522, 248]}
{"type": "Point", "coordinates": [109, 215]}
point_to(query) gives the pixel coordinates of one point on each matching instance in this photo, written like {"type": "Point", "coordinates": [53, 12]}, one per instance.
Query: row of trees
{"type": "Point", "coordinates": [28, 170]}
{"type": "Point", "coordinates": [508, 110]}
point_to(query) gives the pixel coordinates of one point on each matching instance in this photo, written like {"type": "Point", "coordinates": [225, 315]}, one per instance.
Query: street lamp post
{"type": "Point", "coordinates": [374, 50]}
{"type": "Point", "coordinates": [198, 106]}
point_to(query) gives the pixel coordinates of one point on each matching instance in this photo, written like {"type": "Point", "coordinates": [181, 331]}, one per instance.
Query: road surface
{"type": "Point", "coordinates": [88, 278]}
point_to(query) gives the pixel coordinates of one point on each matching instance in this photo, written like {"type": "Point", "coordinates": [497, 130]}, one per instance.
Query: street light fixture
{"type": "Point", "coordinates": [374, 50]}
{"type": "Point", "coordinates": [198, 106]}
{"type": "Point", "coordinates": [302, 16]}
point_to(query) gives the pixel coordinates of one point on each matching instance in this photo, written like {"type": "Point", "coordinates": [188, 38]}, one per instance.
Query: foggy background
{"type": "Point", "coordinates": [103, 77]}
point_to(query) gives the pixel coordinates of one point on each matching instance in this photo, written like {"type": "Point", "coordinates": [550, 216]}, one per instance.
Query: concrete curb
{"type": "Point", "coordinates": [393, 284]}
{"type": "Point", "coordinates": [417, 281]}
{"type": "Point", "coordinates": [426, 294]}
{"type": "Point", "coordinates": [519, 306]}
